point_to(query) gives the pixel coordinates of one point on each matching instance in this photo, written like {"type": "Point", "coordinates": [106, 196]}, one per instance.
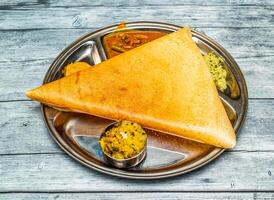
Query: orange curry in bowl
{"type": "Point", "coordinates": [122, 41]}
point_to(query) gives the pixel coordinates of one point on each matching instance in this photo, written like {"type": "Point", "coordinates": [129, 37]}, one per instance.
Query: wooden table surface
{"type": "Point", "coordinates": [33, 32]}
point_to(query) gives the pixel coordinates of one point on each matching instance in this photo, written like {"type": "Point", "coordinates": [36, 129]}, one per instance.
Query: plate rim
{"type": "Point", "coordinates": [131, 174]}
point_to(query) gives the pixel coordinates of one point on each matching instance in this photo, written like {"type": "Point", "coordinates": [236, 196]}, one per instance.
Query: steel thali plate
{"type": "Point", "coordinates": [77, 134]}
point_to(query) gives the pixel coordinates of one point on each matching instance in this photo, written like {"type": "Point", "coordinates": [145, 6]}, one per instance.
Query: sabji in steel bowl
{"type": "Point", "coordinates": [123, 144]}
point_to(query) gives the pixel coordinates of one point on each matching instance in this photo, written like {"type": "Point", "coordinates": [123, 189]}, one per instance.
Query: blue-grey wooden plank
{"type": "Point", "coordinates": [140, 196]}
{"type": "Point", "coordinates": [27, 55]}
{"type": "Point", "coordinates": [233, 171]}
{"type": "Point", "coordinates": [15, 4]}
{"type": "Point", "coordinates": [22, 130]}
{"type": "Point", "coordinates": [46, 44]}
{"type": "Point", "coordinates": [89, 17]}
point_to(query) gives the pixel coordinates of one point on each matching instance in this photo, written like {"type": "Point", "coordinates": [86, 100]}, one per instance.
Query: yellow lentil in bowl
{"type": "Point", "coordinates": [123, 140]}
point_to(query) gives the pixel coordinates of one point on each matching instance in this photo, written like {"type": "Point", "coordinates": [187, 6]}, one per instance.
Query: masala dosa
{"type": "Point", "coordinates": [163, 85]}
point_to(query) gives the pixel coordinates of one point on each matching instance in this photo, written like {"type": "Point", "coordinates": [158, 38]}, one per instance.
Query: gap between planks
{"type": "Point", "coordinates": [128, 5]}
{"type": "Point", "coordinates": [137, 191]}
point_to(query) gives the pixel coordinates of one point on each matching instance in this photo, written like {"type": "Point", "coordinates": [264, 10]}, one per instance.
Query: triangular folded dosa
{"type": "Point", "coordinates": [164, 85]}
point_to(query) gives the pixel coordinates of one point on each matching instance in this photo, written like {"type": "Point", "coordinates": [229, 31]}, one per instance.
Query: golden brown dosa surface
{"type": "Point", "coordinates": [164, 85]}
{"type": "Point", "coordinates": [75, 67]}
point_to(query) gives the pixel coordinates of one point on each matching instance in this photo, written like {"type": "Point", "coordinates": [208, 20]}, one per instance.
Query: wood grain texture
{"type": "Point", "coordinates": [46, 44]}
{"type": "Point", "coordinates": [28, 54]}
{"type": "Point", "coordinates": [90, 17]}
{"type": "Point", "coordinates": [22, 130]}
{"type": "Point", "coordinates": [138, 196]}
{"type": "Point", "coordinates": [15, 4]}
{"type": "Point", "coordinates": [233, 171]}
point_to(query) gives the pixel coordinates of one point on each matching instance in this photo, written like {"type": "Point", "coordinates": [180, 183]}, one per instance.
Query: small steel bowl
{"type": "Point", "coordinates": [123, 163]}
